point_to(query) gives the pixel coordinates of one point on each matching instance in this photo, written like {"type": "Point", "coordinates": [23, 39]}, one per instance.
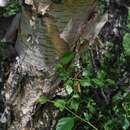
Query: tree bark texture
{"type": "Point", "coordinates": [32, 74]}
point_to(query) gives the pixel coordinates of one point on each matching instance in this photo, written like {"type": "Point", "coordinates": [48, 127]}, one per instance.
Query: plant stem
{"type": "Point", "coordinates": [81, 118]}
{"type": "Point", "coordinates": [77, 116]}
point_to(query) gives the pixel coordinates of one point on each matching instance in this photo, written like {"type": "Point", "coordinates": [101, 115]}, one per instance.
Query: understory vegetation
{"type": "Point", "coordinates": [11, 9]}
{"type": "Point", "coordinates": [98, 98]}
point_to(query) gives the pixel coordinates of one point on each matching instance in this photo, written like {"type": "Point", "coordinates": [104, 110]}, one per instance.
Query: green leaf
{"type": "Point", "coordinates": [87, 73]}
{"type": "Point", "coordinates": [66, 123]}
{"type": "Point", "coordinates": [61, 72]}
{"type": "Point", "coordinates": [87, 116]}
{"type": "Point", "coordinates": [67, 58]}
{"type": "Point", "coordinates": [42, 100]}
{"type": "Point", "coordinates": [74, 104]}
{"type": "Point", "coordinates": [68, 86]}
{"type": "Point", "coordinates": [126, 43]}
{"type": "Point", "coordinates": [101, 75]}
{"type": "Point", "coordinates": [60, 104]}
{"type": "Point", "coordinates": [64, 75]}
{"type": "Point", "coordinates": [110, 82]}
{"type": "Point", "coordinates": [11, 9]}
{"type": "Point", "coordinates": [117, 98]}
{"type": "Point", "coordinates": [85, 82]}
{"type": "Point", "coordinates": [58, 66]}
{"type": "Point", "coordinates": [76, 96]}
{"type": "Point", "coordinates": [98, 82]}
{"type": "Point", "coordinates": [109, 125]}
{"type": "Point", "coordinates": [126, 124]}
{"type": "Point", "coordinates": [91, 105]}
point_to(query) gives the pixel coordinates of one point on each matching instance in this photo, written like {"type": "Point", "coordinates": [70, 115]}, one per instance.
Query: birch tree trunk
{"type": "Point", "coordinates": [41, 42]}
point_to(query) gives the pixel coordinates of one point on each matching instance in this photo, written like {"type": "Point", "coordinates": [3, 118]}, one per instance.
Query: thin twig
{"type": "Point", "coordinates": [81, 118]}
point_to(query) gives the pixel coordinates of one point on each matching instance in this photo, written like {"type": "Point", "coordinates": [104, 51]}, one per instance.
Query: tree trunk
{"type": "Point", "coordinates": [39, 45]}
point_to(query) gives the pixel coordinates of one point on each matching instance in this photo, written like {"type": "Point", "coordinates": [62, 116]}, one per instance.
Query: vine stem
{"type": "Point", "coordinates": [77, 116]}
{"type": "Point", "coordinates": [90, 124]}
